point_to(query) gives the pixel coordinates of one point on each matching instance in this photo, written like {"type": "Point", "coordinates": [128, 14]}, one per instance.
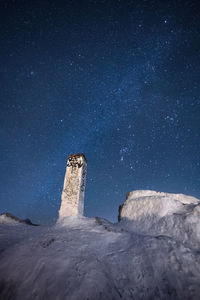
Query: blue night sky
{"type": "Point", "coordinates": [116, 80]}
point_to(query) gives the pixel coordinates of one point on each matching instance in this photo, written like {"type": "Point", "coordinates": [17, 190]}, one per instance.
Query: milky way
{"type": "Point", "coordinates": [115, 80]}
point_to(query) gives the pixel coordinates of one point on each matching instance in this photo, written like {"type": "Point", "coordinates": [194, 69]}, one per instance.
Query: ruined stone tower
{"type": "Point", "coordinates": [72, 199]}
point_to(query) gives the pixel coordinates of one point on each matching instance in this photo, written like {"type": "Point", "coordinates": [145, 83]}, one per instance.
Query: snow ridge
{"type": "Point", "coordinates": [152, 253]}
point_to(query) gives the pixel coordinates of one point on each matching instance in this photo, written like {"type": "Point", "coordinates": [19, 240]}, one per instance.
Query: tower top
{"type": "Point", "coordinates": [77, 155]}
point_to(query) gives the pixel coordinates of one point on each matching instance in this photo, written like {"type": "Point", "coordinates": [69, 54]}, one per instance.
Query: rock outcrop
{"type": "Point", "coordinates": [8, 218]}
{"type": "Point", "coordinates": [156, 213]}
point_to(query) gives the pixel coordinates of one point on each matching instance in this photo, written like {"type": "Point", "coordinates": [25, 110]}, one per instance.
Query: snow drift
{"type": "Point", "coordinates": [141, 257]}
{"type": "Point", "coordinates": [154, 213]}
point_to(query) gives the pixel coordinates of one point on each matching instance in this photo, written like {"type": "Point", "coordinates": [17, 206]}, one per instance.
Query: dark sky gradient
{"type": "Point", "coordinates": [116, 80]}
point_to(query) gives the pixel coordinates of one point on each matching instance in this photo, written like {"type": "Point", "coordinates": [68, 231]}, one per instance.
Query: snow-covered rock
{"type": "Point", "coordinates": [81, 258]}
{"type": "Point", "coordinates": [155, 213]}
{"type": "Point", "coordinates": [9, 219]}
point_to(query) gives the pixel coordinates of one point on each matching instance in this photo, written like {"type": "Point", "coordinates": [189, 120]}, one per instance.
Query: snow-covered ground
{"type": "Point", "coordinates": [152, 253]}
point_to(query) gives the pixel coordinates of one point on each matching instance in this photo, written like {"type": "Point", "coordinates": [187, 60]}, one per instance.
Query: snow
{"type": "Point", "coordinates": [152, 253]}
{"type": "Point", "coordinates": [142, 204]}
{"type": "Point", "coordinates": [5, 220]}
{"type": "Point", "coordinates": [154, 213]}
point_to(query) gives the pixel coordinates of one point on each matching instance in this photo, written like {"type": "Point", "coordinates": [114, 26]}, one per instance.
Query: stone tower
{"type": "Point", "coordinates": [72, 199]}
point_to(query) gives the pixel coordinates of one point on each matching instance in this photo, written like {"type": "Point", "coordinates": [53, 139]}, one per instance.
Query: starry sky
{"type": "Point", "coordinates": [116, 80]}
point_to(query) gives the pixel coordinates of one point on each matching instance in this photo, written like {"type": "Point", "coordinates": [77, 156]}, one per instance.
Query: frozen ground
{"type": "Point", "coordinates": [152, 253]}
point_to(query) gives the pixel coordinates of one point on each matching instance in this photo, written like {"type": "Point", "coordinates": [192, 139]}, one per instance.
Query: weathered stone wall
{"type": "Point", "coordinates": [74, 186]}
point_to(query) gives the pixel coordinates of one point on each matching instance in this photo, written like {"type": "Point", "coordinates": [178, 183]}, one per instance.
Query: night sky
{"type": "Point", "coordinates": [116, 80]}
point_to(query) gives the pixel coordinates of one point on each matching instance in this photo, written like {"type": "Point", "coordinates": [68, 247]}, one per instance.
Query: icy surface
{"type": "Point", "coordinates": [81, 258]}
{"type": "Point", "coordinates": [154, 213]}
{"type": "Point", "coordinates": [5, 220]}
